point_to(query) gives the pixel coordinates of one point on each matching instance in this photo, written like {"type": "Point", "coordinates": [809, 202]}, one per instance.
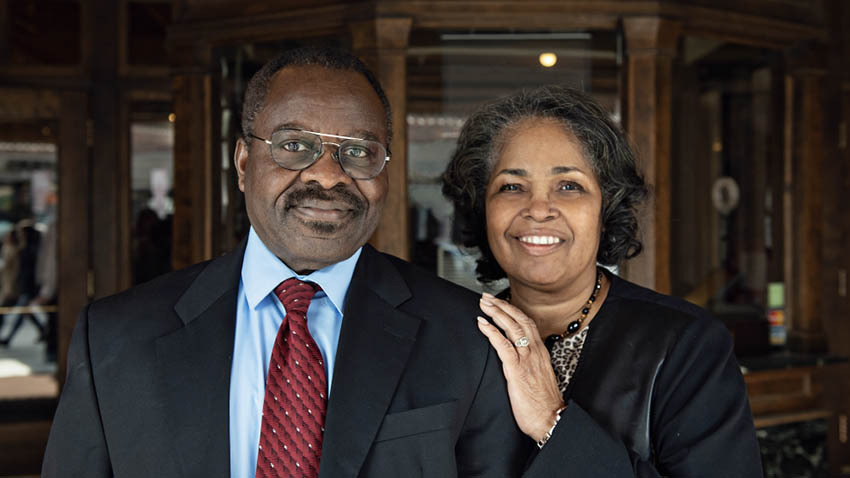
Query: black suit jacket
{"type": "Point", "coordinates": [417, 389]}
{"type": "Point", "coordinates": [657, 392]}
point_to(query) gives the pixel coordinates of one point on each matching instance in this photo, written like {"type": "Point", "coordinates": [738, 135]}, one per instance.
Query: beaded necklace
{"type": "Point", "coordinates": [575, 325]}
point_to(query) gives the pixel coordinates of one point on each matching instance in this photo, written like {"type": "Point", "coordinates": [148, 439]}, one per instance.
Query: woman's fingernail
{"type": "Point", "coordinates": [486, 301]}
{"type": "Point", "coordinates": [482, 320]}
{"type": "Point", "coordinates": [488, 295]}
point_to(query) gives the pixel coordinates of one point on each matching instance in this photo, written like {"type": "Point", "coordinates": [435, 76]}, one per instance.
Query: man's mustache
{"type": "Point", "coordinates": [338, 194]}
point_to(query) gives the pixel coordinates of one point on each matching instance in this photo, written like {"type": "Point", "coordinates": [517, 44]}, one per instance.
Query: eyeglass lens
{"type": "Point", "coordinates": [296, 150]}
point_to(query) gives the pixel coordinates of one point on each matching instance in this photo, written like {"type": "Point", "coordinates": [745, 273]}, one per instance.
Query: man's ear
{"type": "Point", "coordinates": [240, 161]}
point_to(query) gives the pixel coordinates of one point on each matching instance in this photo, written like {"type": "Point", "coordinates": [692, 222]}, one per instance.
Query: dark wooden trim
{"type": "Point", "coordinates": [123, 170]}
{"type": "Point", "coordinates": [650, 48]}
{"type": "Point", "coordinates": [23, 446]}
{"type": "Point", "coordinates": [195, 162]}
{"type": "Point", "coordinates": [300, 22]}
{"type": "Point", "coordinates": [806, 331]}
{"type": "Point", "coordinates": [771, 29]}
{"type": "Point", "coordinates": [109, 176]}
{"type": "Point", "coordinates": [5, 50]}
{"type": "Point", "coordinates": [125, 69]}
{"type": "Point", "coordinates": [788, 200]}
{"type": "Point", "coordinates": [28, 104]}
{"type": "Point", "coordinates": [74, 238]}
{"type": "Point", "coordinates": [41, 71]}
{"type": "Point", "coordinates": [744, 28]}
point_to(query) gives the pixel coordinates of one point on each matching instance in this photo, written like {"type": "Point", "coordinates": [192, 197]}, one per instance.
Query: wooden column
{"type": "Point", "coordinates": [650, 47]}
{"type": "Point", "coordinates": [837, 306]}
{"type": "Point", "coordinates": [836, 173]}
{"type": "Point", "coordinates": [4, 32]}
{"type": "Point", "coordinates": [73, 246]}
{"type": "Point", "coordinates": [382, 44]}
{"type": "Point", "coordinates": [196, 160]}
{"type": "Point", "coordinates": [109, 177]}
{"type": "Point", "coordinates": [807, 182]}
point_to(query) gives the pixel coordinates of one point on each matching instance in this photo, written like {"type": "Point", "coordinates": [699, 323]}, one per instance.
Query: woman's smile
{"type": "Point", "coordinates": [543, 213]}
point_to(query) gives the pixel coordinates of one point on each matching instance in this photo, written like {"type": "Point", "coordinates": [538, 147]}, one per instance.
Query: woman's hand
{"type": "Point", "coordinates": [532, 386]}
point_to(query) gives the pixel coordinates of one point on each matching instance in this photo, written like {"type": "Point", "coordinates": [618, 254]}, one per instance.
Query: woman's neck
{"type": "Point", "coordinates": [553, 310]}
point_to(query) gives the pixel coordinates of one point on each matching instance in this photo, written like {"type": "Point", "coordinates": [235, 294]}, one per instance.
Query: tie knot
{"type": "Point", "coordinates": [295, 295]}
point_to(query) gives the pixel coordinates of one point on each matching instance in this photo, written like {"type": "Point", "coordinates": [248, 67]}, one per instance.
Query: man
{"type": "Point", "coordinates": [211, 371]}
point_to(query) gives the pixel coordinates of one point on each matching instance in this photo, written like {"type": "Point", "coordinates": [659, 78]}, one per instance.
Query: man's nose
{"type": "Point", "coordinates": [326, 170]}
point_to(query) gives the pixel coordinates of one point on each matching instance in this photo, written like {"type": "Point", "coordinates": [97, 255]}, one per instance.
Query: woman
{"type": "Point", "coordinates": [610, 379]}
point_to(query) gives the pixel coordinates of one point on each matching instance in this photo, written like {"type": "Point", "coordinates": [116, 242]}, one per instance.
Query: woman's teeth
{"type": "Point", "coordinates": [540, 240]}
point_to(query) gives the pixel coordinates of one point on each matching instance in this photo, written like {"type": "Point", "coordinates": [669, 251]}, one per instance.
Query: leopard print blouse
{"type": "Point", "coordinates": [564, 356]}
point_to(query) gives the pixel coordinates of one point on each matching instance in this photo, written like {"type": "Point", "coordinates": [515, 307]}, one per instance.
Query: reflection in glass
{"type": "Point", "coordinates": [28, 262]}
{"type": "Point", "coordinates": [152, 172]}
{"type": "Point", "coordinates": [727, 209]}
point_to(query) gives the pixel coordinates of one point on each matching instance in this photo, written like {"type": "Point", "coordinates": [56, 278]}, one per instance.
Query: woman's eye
{"type": "Point", "coordinates": [509, 187]}
{"type": "Point", "coordinates": [570, 186]}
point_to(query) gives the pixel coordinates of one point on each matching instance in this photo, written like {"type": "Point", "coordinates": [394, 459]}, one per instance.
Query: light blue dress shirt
{"type": "Point", "coordinates": [259, 314]}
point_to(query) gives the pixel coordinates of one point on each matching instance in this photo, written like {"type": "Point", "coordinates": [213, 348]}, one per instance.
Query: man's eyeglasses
{"type": "Point", "coordinates": [296, 149]}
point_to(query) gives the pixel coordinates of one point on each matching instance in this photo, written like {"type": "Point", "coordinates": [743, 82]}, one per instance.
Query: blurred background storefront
{"type": "Point", "coordinates": [118, 120]}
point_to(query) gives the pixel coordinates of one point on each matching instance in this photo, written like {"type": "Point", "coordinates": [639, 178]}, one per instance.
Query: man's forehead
{"type": "Point", "coordinates": [305, 79]}
{"type": "Point", "coordinates": [318, 97]}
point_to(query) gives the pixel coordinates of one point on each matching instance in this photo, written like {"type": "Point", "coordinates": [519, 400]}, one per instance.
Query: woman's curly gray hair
{"type": "Point", "coordinates": [605, 147]}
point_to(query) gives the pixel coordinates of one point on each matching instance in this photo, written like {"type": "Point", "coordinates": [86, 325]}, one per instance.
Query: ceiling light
{"type": "Point", "coordinates": [548, 59]}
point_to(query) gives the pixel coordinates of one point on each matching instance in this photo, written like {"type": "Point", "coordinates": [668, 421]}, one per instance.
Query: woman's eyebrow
{"type": "Point", "coordinates": [513, 172]}
{"type": "Point", "coordinates": [565, 169]}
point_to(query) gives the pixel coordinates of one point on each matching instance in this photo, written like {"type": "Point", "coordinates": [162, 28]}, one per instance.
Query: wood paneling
{"type": "Point", "coordinates": [23, 447]}
{"type": "Point", "coordinates": [17, 104]}
{"type": "Point", "coordinates": [836, 400]}
{"type": "Point", "coordinates": [110, 178]}
{"type": "Point", "coordinates": [806, 331]}
{"type": "Point", "coordinates": [74, 242]}
{"type": "Point", "coordinates": [195, 161]}
{"type": "Point", "coordinates": [650, 48]}
{"type": "Point", "coordinates": [797, 394]}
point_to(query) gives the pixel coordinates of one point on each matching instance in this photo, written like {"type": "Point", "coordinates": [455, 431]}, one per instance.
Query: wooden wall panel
{"type": "Point", "coordinates": [195, 163]}
{"type": "Point", "coordinates": [74, 253]}
{"type": "Point", "coordinates": [806, 321]}
{"type": "Point", "coordinates": [836, 220]}
{"type": "Point", "coordinates": [110, 179]}
{"type": "Point", "coordinates": [650, 47]}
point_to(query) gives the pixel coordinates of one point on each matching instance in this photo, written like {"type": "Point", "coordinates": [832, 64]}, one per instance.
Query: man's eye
{"type": "Point", "coordinates": [509, 187]}
{"type": "Point", "coordinates": [293, 146]}
{"type": "Point", "coordinates": [358, 152]}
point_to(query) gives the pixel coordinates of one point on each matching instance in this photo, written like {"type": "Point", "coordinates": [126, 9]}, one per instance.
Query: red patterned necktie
{"type": "Point", "coordinates": [296, 392]}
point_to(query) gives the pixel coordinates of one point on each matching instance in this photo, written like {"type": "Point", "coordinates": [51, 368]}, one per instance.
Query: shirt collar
{"type": "Point", "coordinates": [262, 271]}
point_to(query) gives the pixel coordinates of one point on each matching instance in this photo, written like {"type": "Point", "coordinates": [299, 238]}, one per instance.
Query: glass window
{"type": "Point", "coordinates": [152, 205]}
{"type": "Point", "coordinates": [727, 213]}
{"type": "Point", "coordinates": [28, 263]}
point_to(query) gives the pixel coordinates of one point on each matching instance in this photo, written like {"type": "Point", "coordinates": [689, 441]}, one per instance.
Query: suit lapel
{"type": "Point", "coordinates": [374, 345]}
{"type": "Point", "coordinates": [194, 364]}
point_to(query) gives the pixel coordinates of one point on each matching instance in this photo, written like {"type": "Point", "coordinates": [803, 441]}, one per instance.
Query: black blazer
{"type": "Point", "coordinates": [657, 392]}
{"type": "Point", "coordinates": [417, 389]}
